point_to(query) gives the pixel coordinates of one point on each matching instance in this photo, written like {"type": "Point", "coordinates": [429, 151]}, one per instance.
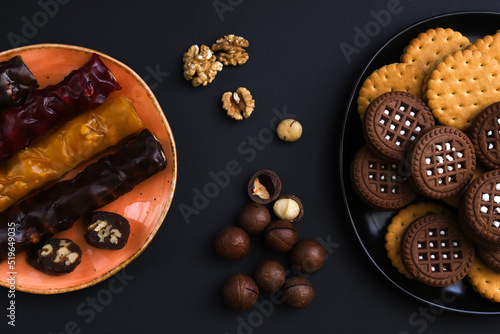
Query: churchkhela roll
{"type": "Point", "coordinates": [57, 153]}
{"type": "Point", "coordinates": [16, 81]}
{"type": "Point", "coordinates": [55, 209]}
{"type": "Point", "coordinates": [83, 89]}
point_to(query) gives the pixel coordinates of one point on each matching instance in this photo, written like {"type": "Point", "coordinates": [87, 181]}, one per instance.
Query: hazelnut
{"type": "Point", "coordinates": [232, 243]}
{"type": "Point", "coordinates": [254, 218]}
{"type": "Point", "coordinates": [308, 256]}
{"type": "Point", "coordinates": [289, 130]}
{"type": "Point", "coordinates": [280, 236]}
{"type": "Point", "coordinates": [264, 186]}
{"type": "Point", "coordinates": [288, 207]}
{"type": "Point", "coordinates": [270, 275]}
{"type": "Point", "coordinates": [298, 292]}
{"type": "Point", "coordinates": [240, 292]}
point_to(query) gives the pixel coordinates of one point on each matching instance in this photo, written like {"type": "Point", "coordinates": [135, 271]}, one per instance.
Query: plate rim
{"type": "Point", "coordinates": [173, 181]}
{"type": "Point", "coordinates": [341, 155]}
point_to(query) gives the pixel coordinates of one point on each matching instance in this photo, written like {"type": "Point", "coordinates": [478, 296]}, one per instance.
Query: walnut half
{"type": "Point", "coordinates": [233, 50]}
{"type": "Point", "coordinates": [239, 104]}
{"type": "Point", "coordinates": [200, 65]}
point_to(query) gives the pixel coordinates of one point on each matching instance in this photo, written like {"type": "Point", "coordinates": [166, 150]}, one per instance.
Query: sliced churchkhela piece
{"type": "Point", "coordinates": [83, 89]}
{"type": "Point", "coordinates": [76, 141]}
{"type": "Point", "coordinates": [56, 209]}
{"type": "Point", "coordinates": [107, 230]}
{"type": "Point", "coordinates": [57, 257]}
{"type": "Point", "coordinates": [16, 81]}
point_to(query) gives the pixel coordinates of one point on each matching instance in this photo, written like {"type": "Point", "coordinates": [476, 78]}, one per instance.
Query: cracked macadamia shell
{"type": "Point", "coordinates": [264, 186]}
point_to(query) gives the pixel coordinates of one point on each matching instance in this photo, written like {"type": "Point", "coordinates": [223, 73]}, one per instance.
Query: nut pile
{"type": "Point", "coordinates": [233, 243]}
{"type": "Point", "coordinates": [201, 64]}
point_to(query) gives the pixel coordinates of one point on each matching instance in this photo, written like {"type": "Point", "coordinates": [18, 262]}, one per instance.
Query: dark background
{"type": "Point", "coordinates": [296, 66]}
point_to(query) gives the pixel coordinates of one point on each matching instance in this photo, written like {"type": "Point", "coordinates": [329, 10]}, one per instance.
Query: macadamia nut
{"type": "Point", "coordinates": [286, 208]}
{"type": "Point", "coordinates": [289, 130]}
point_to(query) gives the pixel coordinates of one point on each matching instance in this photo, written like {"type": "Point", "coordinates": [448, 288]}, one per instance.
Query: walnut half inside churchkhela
{"type": "Point", "coordinates": [58, 256]}
{"type": "Point", "coordinates": [107, 230]}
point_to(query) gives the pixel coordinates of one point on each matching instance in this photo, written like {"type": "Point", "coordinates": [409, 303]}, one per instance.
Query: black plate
{"type": "Point", "coordinates": [370, 225]}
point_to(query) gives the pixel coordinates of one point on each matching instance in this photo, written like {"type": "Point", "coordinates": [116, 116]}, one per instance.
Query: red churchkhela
{"type": "Point", "coordinates": [83, 89]}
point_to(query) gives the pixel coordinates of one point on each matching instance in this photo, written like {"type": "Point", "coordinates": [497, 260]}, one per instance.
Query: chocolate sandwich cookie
{"type": "Point", "coordinates": [435, 251]}
{"type": "Point", "coordinates": [479, 215]}
{"type": "Point", "coordinates": [485, 136]}
{"type": "Point", "coordinates": [491, 257]}
{"type": "Point", "coordinates": [441, 162]}
{"type": "Point", "coordinates": [378, 182]}
{"type": "Point", "coordinates": [393, 121]}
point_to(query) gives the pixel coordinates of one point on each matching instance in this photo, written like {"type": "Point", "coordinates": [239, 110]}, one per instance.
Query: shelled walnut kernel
{"type": "Point", "coordinates": [200, 65]}
{"type": "Point", "coordinates": [239, 104]}
{"type": "Point", "coordinates": [233, 48]}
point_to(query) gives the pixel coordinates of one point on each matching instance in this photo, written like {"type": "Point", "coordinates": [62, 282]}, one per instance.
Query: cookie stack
{"type": "Point", "coordinates": [432, 129]}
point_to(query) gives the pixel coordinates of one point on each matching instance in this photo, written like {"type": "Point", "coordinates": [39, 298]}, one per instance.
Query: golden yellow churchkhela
{"type": "Point", "coordinates": [61, 151]}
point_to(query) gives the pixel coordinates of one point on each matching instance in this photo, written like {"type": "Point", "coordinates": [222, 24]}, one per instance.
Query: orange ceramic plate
{"type": "Point", "coordinates": [145, 206]}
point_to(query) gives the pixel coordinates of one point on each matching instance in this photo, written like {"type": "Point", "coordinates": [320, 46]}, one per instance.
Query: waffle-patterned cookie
{"type": "Point", "coordinates": [399, 224]}
{"type": "Point", "coordinates": [435, 251]}
{"type": "Point", "coordinates": [480, 210]}
{"type": "Point", "coordinates": [485, 136]}
{"type": "Point", "coordinates": [393, 121]}
{"type": "Point", "coordinates": [378, 182]}
{"type": "Point", "coordinates": [442, 162]}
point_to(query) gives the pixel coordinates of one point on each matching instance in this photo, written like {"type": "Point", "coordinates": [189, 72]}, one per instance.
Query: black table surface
{"type": "Point", "coordinates": [298, 68]}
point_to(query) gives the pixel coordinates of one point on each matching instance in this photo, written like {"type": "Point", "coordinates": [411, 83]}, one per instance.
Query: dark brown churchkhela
{"type": "Point", "coordinates": [58, 256]}
{"type": "Point", "coordinates": [16, 81]}
{"type": "Point", "coordinates": [83, 89]}
{"type": "Point", "coordinates": [56, 208]}
{"type": "Point", "coordinates": [107, 230]}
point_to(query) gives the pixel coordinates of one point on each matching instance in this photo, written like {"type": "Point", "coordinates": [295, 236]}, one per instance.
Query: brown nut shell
{"type": "Point", "coordinates": [232, 243]}
{"type": "Point", "coordinates": [264, 186]}
{"type": "Point", "coordinates": [286, 215]}
{"type": "Point", "coordinates": [254, 218]}
{"type": "Point", "coordinates": [308, 256]}
{"type": "Point", "coordinates": [270, 275]}
{"type": "Point", "coordinates": [240, 292]}
{"type": "Point", "coordinates": [280, 236]}
{"type": "Point", "coordinates": [298, 292]}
